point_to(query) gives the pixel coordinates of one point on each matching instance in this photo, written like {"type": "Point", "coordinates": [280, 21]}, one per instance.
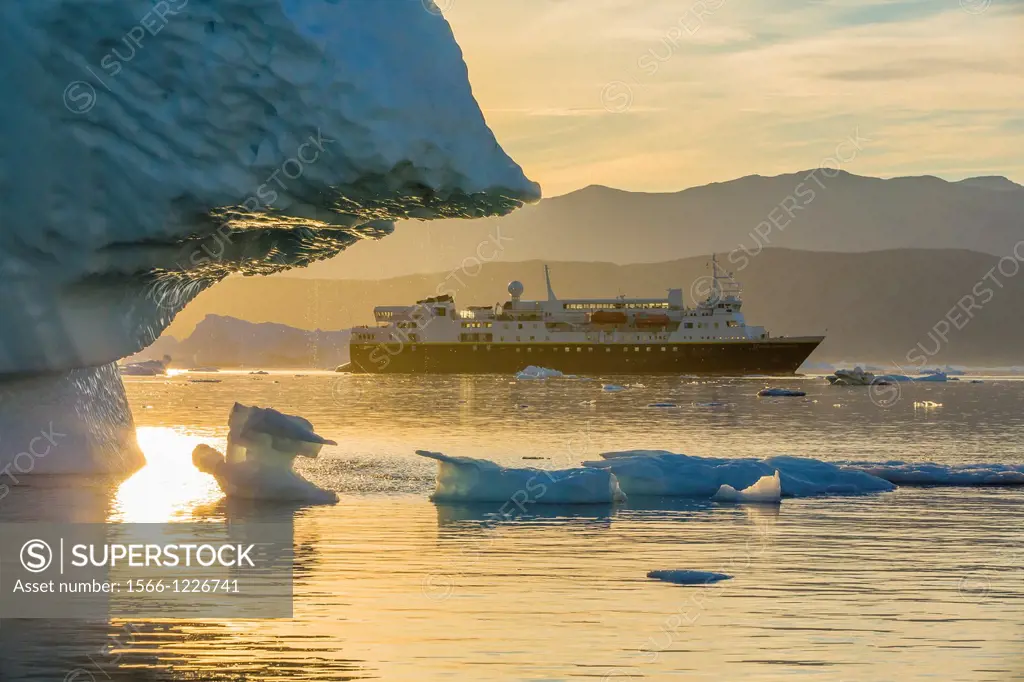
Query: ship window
{"type": "Point", "coordinates": [488, 346]}
{"type": "Point", "coordinates": [607, 350]}
{"type": "Point", "coordinates": [590, 349]}
{"type": "Point", "coordinates": [474, 346]}
{"type": "Point", "coordinates": [529, 350]}
{"type": "Point", "coordinates": [414, 347]}
{"type": "Point", "coordinates": [567, 349]}
{"type": "Point", "coordinates": [716, 325]}
{"type": "Point", "coordinates": [578, 349]}
{"type": "Point", "coordinates": [520, 325]}
{"type": "Point", "coordinates": [518, 349]}
{"type": "Point", "coordinates": [687, 325]}
{"type": "Point", "coordinates": [663, 349]}
{"type": "Point", "coordinates": [648, 349]}
{"type": "Point", "coordinates": [675, 348]}
{"type": "Point", "coordinates": [636, 349]}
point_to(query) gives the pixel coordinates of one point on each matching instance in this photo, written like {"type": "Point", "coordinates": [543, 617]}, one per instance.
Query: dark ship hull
{"type": "Point", "coordinates": [779, 356]}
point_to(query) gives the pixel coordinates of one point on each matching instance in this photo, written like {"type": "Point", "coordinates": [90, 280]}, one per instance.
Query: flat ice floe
{"type": "Point", "coordinates": [687, 577]}
{"type": "Point", "coordinates": [780, 393]}
{"type": "Point", "coordinates": [464, 479]}
{"type": "Point", "coordinates": [929, 473]}
{"type": "Point", "coordinates": [767, 490]}
{"type": "Point", "coordinates": [661, 473]}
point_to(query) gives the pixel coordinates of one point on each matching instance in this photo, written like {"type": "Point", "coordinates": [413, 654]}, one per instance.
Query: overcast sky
{"type": "Point", "coordinates": [659, 95]}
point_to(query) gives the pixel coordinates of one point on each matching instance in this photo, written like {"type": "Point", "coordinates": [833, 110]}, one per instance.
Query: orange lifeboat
{"type": "Point", "coordinates": [651, 320]}
{"type": "Point", "coordinates": [607, 317]}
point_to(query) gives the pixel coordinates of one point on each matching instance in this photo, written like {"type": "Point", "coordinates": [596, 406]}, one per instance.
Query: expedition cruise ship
{"type": "Point", "coordinates": [577, 336]}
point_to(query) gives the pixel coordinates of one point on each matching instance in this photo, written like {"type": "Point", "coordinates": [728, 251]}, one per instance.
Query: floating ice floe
{"type": "Point", "coordinates": [662, 405]}
{"type": "Point", "coordinates": [767, 490]}
{"type": "Point", "coordinates": [938, 376]}
{"type": "Point", "coordinates": [926, 404]}
{"type": "Point", "coordinates": [929, 473]}
{"type": "Point", "coordinates": [262, 446]}
{"type": "Point", "coordinates": [534, 373]}
{"type": "Point", "coordinates": [687, 577]}
{"type": "Point", "coordinates": [612, 388]}
{"type": "Point", "coordinates": [464, 479]}
{"type": "Point", "coordinates": [853, 377]}
{"type": "Point", "coordinates": [146, 368]}
{"type": "Point", "coordinates": [780, 393]}
{"type": "Point", "coordinates": [661, 473]}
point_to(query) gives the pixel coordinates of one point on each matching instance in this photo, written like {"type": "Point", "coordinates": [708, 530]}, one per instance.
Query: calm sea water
{"type": "Point", "coordinates": [919, 584]}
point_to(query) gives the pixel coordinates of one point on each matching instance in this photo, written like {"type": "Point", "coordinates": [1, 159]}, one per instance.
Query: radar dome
{"type": "Point", "coordinates": [515, 288]}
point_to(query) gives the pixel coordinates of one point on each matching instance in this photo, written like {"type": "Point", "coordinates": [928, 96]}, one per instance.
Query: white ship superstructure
{"type": "Point", "coordinates": [435, 336]}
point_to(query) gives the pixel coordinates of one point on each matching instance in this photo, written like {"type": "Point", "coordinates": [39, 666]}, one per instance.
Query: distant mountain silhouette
{"type": "Point", "coordinates": [228, 342]}
{"type": "Point", "coordinates": [808, 210]}
{"type": "Point", "coordinates": [875, 306]}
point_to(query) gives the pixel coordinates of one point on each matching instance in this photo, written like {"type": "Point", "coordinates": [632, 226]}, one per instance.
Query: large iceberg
{"type": "Point", "coordinates": [661, 473]}
{"type": "Point", "coordinates": [464, 479]}
{"type": "Point", "coordinates": [150, 149]}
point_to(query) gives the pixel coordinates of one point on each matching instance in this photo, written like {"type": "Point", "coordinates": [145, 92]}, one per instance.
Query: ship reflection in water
{"type": "Point", "coordinates": [390, 586]}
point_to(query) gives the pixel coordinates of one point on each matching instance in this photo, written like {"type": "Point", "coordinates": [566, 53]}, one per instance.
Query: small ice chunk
{"type": "Point", "coordinates": [262, 446]}
{"type": "Point", "coordinates": [662, 405]}
{"type": "Point", "coordinates": [146, 368]}
{"type": "Point", "coordinates": [464, 479]}
{"type": "Point", "coordinates": [767, 490]}
{"type": "Point", "coordinates": [613, 388]}
{"type": "Point", "coordinates": [534, 373]}
{"type": "Point", "coordinates": [687, 577]}
{"type": "Point", "coordinates": [780, 393]}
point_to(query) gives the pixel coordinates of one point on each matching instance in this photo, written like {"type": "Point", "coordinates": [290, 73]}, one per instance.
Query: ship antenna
{"type": "Point", "coordinates": [547, 280]}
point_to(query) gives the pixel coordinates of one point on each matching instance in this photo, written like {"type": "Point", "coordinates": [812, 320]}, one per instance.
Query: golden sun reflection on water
{"type": "Point", "coordinates": [169, 486]}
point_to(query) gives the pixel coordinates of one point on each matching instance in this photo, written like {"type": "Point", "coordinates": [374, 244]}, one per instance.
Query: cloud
{"type": "Point", "coordinates": [765, 87]}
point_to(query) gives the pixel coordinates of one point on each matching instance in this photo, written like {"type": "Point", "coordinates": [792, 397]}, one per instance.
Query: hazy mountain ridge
{"type": "Point", "coordinates": [875, 306]}
{"type": "Point", "coordinates": [808, 210]}
{"type": "Point", "coordinates": [225, 341]}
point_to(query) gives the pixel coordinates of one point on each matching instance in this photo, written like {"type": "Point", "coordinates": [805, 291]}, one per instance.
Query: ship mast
{"type": "Point", "coordinates": [547, 280]}
{"type": "Point", "coordinates": [731, 289]}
